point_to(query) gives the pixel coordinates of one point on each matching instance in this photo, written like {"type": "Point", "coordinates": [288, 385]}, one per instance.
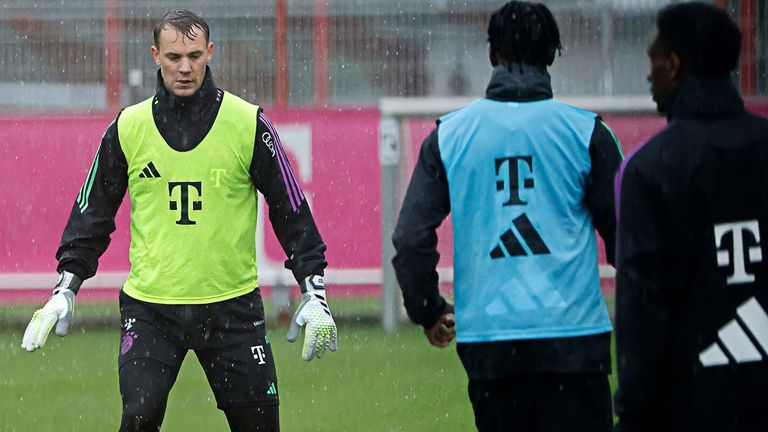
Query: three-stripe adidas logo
{"type": "Point", "coordinates": [512, 245]}
{"type": "Point", "coordinates": [149, 171]}
{"type": "Point", "coordinates": [272, 390]}
{"type": "Point", "coordinates": [741, 338]}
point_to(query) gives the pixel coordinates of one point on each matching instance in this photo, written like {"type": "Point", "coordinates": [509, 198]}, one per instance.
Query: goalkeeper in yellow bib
{"type": "Point", "coordinates": [192, 158]}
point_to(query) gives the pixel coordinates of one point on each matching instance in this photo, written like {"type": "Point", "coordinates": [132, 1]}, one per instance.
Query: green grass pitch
{"type": "Point", "coordinates": [375, 382]}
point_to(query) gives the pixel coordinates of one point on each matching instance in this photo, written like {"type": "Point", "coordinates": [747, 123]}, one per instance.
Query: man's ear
{"type": "Point", "coordinates": [155, 54]}
{"type": "Point", "coordinates": [493, 56]}
{"type": "Point", "coordinates": [675, 67]}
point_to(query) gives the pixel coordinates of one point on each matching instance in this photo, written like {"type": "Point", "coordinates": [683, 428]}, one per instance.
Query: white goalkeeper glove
{"type": "Point", "coordinates": [59, 310]}
{"type": "Point", "coordinates": [320, 333]}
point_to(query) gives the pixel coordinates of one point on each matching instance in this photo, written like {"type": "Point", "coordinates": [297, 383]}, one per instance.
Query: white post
{"type": "Point", "coordinates": [389, 158]}
{"type": "Point", "coordinates": [606, 46]}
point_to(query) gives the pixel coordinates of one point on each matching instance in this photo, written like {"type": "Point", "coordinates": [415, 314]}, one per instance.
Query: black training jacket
{"type": "Point", "coordinates": [427, 204]}
{"type": "Point", "coordinates": [692, 285]}
{"type": "Point", "coordinates": [183, 123]}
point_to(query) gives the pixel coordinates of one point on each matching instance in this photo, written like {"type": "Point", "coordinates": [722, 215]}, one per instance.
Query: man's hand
{"type": "Point", "coordinates": [59, 310]}
{"type": "Point", "coordinates": [444, 330]}
{"type": "Point", "coordinates": [313, 311]}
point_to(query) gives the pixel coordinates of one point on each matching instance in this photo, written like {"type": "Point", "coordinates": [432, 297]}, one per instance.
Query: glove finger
{"type": "Point", "coordinates": [44, 330]}
{"type": "Point", "coordinates": [322, 348]}
{"type": "Point", "coordinates": [319, 346]}
{"type": "Point", "coordinates": [62, 327]}
{"type": "Point", "coordinates": [293, 331]}
{"type": "Point", "coordinates": [37, 331]}
{"type": "Point", "coordinates": [333, 341]}
{"type": "Point", "coordinates": [27, 342]}
{"type": "Point", "coordinates": [326, 344]}
{"type": "Point", "coordinates": [309, 347]}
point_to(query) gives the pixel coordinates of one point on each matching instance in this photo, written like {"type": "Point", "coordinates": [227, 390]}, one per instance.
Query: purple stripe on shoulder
{"type": "Point", "coordinates": [281, 152]}
{"type": "Point", "coordinates": [295, 183]}
{"type": "Point", "coordinates": [290, 183]}
{"type": "Point", "coordinates": [294, 204]}
{"type": "Point", "coordinates": [620, 173]}
{"type": "Point", "coordinates": [620, 176]}
{"type": "Point", "coordinates": [291, 177]}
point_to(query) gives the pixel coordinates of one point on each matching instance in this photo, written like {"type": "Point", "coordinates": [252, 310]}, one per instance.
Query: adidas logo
{"type": "Point", "coordinates": [149, 171]}
{"type": "Point", "coordinates": [272, 390]}
{"type": "Point", "coordinates": [512, 245]}
{"type": "Point", "coordinates": [740, 340]}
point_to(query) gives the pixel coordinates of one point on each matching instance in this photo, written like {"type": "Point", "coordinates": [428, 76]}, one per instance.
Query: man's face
{"type": "Point", "coordinates": [182, 60]}
{"type": "Point", "coordinates": [664, 73]}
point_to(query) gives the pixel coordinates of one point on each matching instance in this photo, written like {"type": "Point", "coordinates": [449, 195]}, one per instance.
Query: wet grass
{"type": "Point", "coordinates": [376, 382]}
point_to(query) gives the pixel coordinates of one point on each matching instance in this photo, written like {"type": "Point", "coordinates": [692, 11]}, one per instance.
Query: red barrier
{"type": "Point", "coordinates": [44, 164]}
{"type": "Point", "coordinates": [45, 160]}
{"type": "Point", "coordinates": [333, 151]}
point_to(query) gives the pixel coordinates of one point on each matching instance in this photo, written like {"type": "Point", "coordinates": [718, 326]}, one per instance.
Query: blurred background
{"type": "Point", "coordinates": [94, 54]}
{"type": "Point", "coordinates": [353, 87]}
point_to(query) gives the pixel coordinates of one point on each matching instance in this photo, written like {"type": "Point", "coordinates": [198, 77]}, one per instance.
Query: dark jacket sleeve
{"type": "Point", "coordinates": [92, 219]}
{"type": "Point", "coordinates": [642, 305]}
{"type": "Point", "coordinates": [606, 156]}
{"type": "Point", "coordinates": [425, 206]}
{"type": "Point", "coordinates": [289, 212]}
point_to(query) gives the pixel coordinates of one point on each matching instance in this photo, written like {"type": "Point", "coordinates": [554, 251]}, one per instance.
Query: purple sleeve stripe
{"type": "Point", "coordinates": [620, 173]}
{"type": "Point", "coordinates": [617, 201]}
{"type": "Point", "coordinates": [617, 186]}
{"type": "Point", "coordinates": [291, 186]}
{"type": "Point", "coordinates": [618, 179]}
{"type": "Point", "coordinates": [290, 169]}
{"type": "Point", "coordinates": [279, 148]}
{"type": "Point", "coordinates": [294, 203]}
{"type": "Point", "coordinates": [292, 178]}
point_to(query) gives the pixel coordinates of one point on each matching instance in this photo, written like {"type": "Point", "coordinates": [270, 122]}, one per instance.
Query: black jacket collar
{"type": "Point", "coordinates": [171, 101]}
{"type": "Point", "coordinates": [183, 122]}
{"type": "Point", "coordinates": [519, 83]}
{"type": "Point", "coordinates": [704, 96]}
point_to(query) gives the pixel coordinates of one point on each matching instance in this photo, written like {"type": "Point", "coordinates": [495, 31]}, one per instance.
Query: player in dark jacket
{"type": "Point", "coordinates": [692, 331]}
{"type": "Point", "coordinates": [526, 179]}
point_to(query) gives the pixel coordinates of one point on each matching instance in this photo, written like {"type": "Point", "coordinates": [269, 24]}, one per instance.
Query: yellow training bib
{"type": "Point", "coordinates": [193, 213]}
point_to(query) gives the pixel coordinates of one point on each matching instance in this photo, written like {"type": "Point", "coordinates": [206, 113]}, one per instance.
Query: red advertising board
{"type": "Point", "coordinates": [333, 151]}
{"type": "Point", "coordinates": [45, 160]}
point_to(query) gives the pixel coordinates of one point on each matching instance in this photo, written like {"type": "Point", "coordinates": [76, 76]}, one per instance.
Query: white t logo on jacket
{"type": "Point", "coordinates": [754, 253]}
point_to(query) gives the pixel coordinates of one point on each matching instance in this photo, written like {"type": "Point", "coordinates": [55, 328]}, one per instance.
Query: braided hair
{"type": "Point", "coordinates": [522, 32]}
